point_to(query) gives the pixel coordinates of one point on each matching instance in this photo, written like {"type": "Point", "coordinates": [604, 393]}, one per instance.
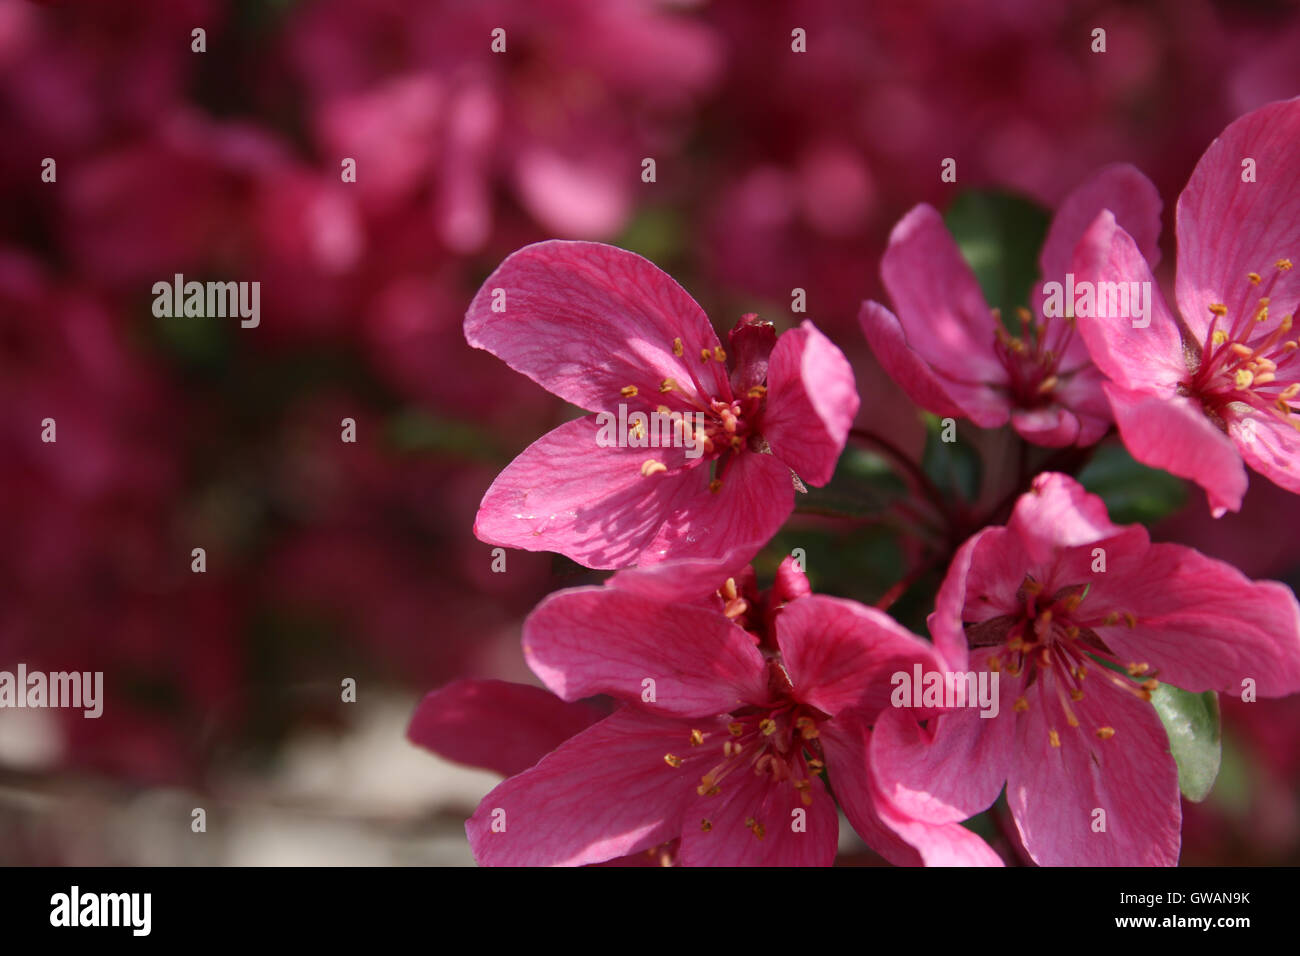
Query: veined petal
{"type": "Point", "coordinates": [584, 320]}
{"type": "Point", "coordinates": [605, 793]}
{"type": "Point", "coordinates": [811, 403]}
{"type": "Point", "coordinates": [603, 640]}
{"type": "Point", "coordinates": [495, 724]}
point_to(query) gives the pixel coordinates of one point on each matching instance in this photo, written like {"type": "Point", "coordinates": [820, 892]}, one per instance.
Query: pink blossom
{"type": "Point", "coordinates": [1199, 393]}
{"type": "Point", "coordinates": [721, 735]}
{"type": "Point", "coordinates": [1053, 603]}
{"type": "Point", "coordinates": [952, 353]}
{"type": "Point", "coordinates": [603, 328]}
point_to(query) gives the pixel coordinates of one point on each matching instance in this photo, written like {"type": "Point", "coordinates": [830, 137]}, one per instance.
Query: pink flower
{"type": "Point", "coordinates": [605, 330]}
{"type": "Point", "coordinates": [721, 734]}
{"type": "Point", "coordinates": [1198, 397]}
{"type": "Point", "coordinates": [953, 355]}
{"type": "Point", "coordinates": [1053, 602]}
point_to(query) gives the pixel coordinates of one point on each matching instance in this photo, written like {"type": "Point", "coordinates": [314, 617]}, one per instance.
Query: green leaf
{"type": "Point", "coordinates": [1000, 235]}
{"type": "Point", "coordinates": [1192, 723]}
{"type": "Point", "coordinates": [953, 466]}
{"type": "Point", "coordinates": [1132, 491]}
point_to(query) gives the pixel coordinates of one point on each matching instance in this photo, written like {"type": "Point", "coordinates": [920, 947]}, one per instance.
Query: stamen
{"type": "Point", "coordinates": [677, 347]}
{"type": "Point", "coordinates": [628, 391]}
{"type": "Point", "coordinates": [697, 738]}
{"type": "Point", "coordinates": [706, 826]}
{"type": "Point", "coordinates": [667, 385]}
{"type": "Point", "coordinates": [1054, 738]}
{"type": "Point", "coordinates": [651, 467]}
{"type": "Point", "coordinates": [672, 760]}
{"type": "Point", "coordinates": [1105, 733]}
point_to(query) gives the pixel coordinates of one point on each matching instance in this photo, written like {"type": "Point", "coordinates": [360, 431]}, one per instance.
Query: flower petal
{"type": "Point", "coordinates": [1145, 358]}
{"type": "Point", "coordinates": [603, 640]}
{"type": "Point", "coordinates": [1055, 792]}
{"type": "Point", "coordinates": [1131, 198]}
{"type": "Point", "coordinates": [900, 839]}
{"type": "Point", "coordinates": [938, 302]}
{"type": "Point", "coordinates": [911, 372]}
{"type": "Point", "coordinates": [811, 403]}
{"type": "Point", "coordinates": [840, 655]}
{"type": "Point", "coordinates": [605, 793]}
{"type": "Point", "coordinates": [1173, 433]}
{"type": "Point", "coordinates": [1228, 228]}
{"type": "Point", "coordinates": [567, 493]}
{"type": "Point", "coordinates": [495, 724]}
{"type": "Point", "coordinates": [750, 804]}
{"type": "Point", "coordinates": [584, 320]}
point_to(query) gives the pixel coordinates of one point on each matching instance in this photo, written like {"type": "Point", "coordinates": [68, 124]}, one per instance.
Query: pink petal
{"type": "Point", "coordinates": [496, 725]}
{"type": "Point", "coordinates": [1201, 623]}
{"type": "Point", "coordinates": [602, 640]}
{"type": "Point", "coordinates": [811, 403]}
{"type": "Point", "coordinates": [756, 496]}
{"type": "Point", "coordinates": [793, 834]}
{"type": "Point", "coordinates": [1174, 434]}
{"type": "Point", "coordinates": [1146, 359]}
{"type": "Point", "coordinates": [939, 304]}
{"type": "Point", "coordinates": [900, 839]}
{"type": "Point", "coordinates": [955, 767]}
{"type": "Point", "coordinates": [1271, 446]}
{"type": "Point", "coordinates": [1228, 228]}
{"type": "Point", "coordinates": [1058, 513]}
{"type": "Point", "coordinates": [914, 375]}
{"type": "Point", "coordinates": [682, 580]}
{"type": "Point", "coordinates": [1051, 427]}
{"type": "Point", "coordinates": [1122, 189]}
{"type": "Point", "coordinates": [1053, 792]}
{"type": "Point", "coordinates": [585, 320]}
{"type": "Point", "coordinates": [840, 655]}
{"type": "Point", "coordinates": [565, 493]}
{"type": "Point", "coordinates": [605, 793]}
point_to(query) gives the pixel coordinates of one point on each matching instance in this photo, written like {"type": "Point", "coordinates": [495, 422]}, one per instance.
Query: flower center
{"type": "Point", "coordinates": [1052, 642]}
{"type": "Point", "coordinates": [1247, 357]}
{"type": "Point", "coordinates": [1032, 358]}
{"type": "Point", "coordinates": [722, 428]}
{"type": "Point", "coordinates": [776, 740]}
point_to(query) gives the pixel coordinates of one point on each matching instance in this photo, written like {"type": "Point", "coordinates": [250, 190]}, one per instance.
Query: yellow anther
{"type": "Point", "coordinates": [995, 664]}
{"type": "Point", "coordinates": [1244, 378]}
{"type": "Point", "coordinates": [715, 485]}
{"type": "Point", "coordinates": [758, 391]}
{"type": "Point", "coordinates": [697, 738]}
{"type": "Point", "coordinates": [767, 726]}
{"type": "Point", "coordinates": [735, 728]}
{"type": "Point", "coordinates": [1016, 643]}
{"type": "Point", "coordinates": [667, 385]}
{"type": "Point", "coordinates": [1219, 309]}
{"type": "Point", "coordinates": [1072, 720]}
{"type": "Point", "coordinates": [1284, 265]}
{"type": "Point", "coordinates": [755, 828]}
{"type": "Point", "coordinates": [1076, 695]}
{"type": "Point", "coordinates": [705, 355]}
{"type": "Point", "coordinates": [1130, 619]}
{"type": "Point", "coordinates": [1054, 738]}
{"type": "Point", "coordinates": [1047, 384]}
{"type": "Point", "coordinates": [677, 347]}
{"type": "Point", "coordinates": [651, 467]}
{"type": "Point", "coordinates": [1244, 351]}
{"type": "Point", "coordinates": [1020, 706]}
{"type": "Point", "coordinates": [718, 354]}
{"type": "Point", "coordinates": [628, 391]}
{"type": "Point", "coordinates": [728, 589]}
{"type": "Point", "coordinates": [1253, 277]}
{"type": "Point", "coordinates": [807, 728]}
{"type": "Point", "coordinates": [672, 760]}
{"type": "Point", "coordinates": [1072, 631]}
{"type": "Point", "coordinates": [1219, 337]}
{"type": "Point", "coordinates": [1081, 672]}
{"type": "Point", "coordinates": [1105, 733]}
{"type": "Point", "coordinates": [706, 826]}
{"type": "Point", "coordinates": [816, 766]}
{"type": "Point", "coordinates": [1150, 684]}
{"type": "Point", "coordinates": [1265, 378]}
{"type": "Point", "coordinates": [638, 429]}
{"type": "Point", "coordinates": [736, 608]}
{"type": "Point", "coordinates": [1110, 620]}
{"type": "Point", "coordinates": [1290, 392]}
{"type": "Point", "coordinates": [1072, 602]}
{"type": "Point", "coordinates": [1135, 669]}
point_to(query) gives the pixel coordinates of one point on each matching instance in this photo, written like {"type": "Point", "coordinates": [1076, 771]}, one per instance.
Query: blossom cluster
{"type": "Point", "coordinates": [695, 717]}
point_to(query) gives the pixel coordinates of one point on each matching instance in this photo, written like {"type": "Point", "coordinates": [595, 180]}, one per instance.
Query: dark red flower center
{"type": "Point", "coordinates": [1053, 643]}
{"type": "Point", "coordinates": [1033, 357]}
